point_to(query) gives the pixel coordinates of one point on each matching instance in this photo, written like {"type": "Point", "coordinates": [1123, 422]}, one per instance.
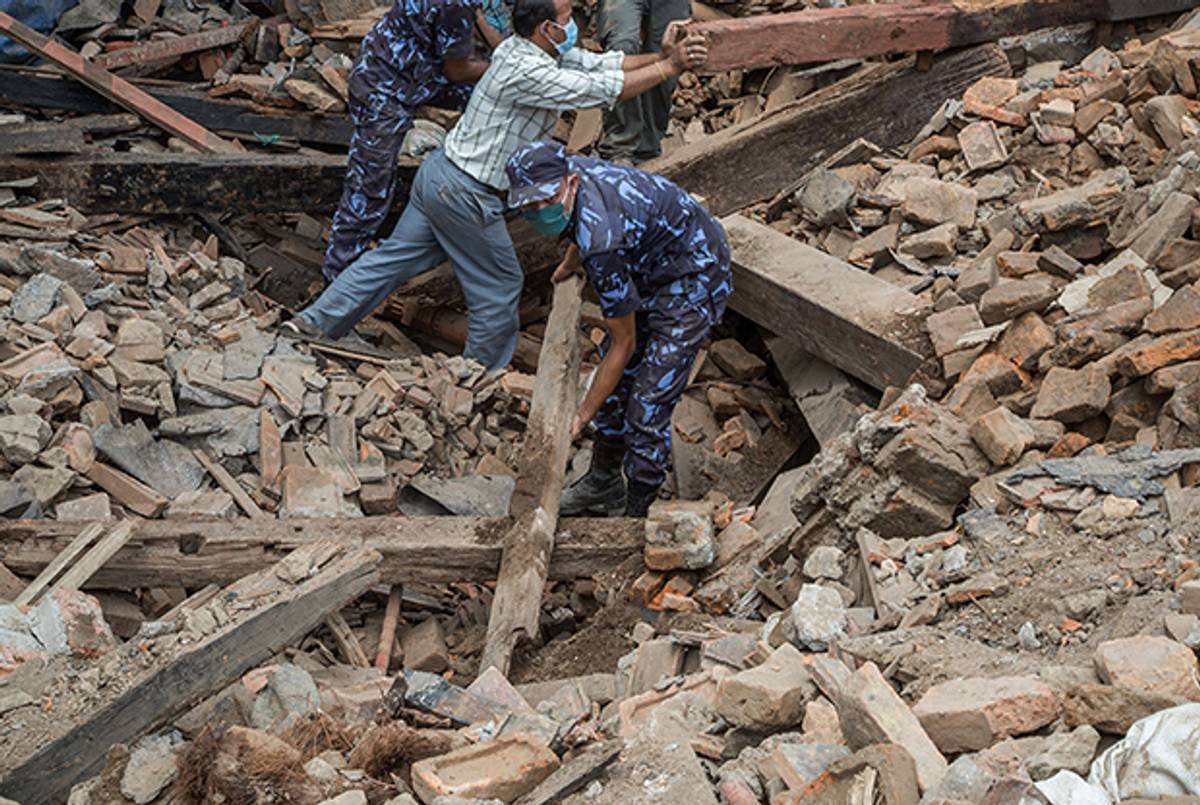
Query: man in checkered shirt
{"type": "Point", "coordinates": [456, 206]}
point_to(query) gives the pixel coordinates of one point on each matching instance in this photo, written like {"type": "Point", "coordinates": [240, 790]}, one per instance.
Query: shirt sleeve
{"type": "Point", "coordinates": [610, 277]}
{"type": "Point", "coordinates": [549, 86]}
{"type": "Point", "coordinates": [578, 58]}
{"type": "Point", "coordinates": [454, 34]}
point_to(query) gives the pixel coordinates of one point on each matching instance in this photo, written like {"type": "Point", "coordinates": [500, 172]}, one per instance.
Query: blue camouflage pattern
{"type": "Point", "coordinates": [399, 69]}
{"type": "Point", "coordinates": [650, 249]}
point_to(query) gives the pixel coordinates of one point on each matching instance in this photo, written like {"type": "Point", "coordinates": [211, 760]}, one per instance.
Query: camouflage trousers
{"type": "Point", "coordinates": [370, 184]}
{"type": "Point", "coordinates": [669, 335]}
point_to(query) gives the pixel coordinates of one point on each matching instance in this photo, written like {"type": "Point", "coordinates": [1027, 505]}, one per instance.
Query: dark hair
{"type": "Point", "coordinates": [529, 14]}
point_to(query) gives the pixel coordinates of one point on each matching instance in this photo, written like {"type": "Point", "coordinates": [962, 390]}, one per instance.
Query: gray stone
{"type": "Point", "coordinates": [35, 299]}
{"type": "Point", "coordinates": [932, 243]}
{"type": "Point", "coordinates": [45, 485]}
{"type": "Point", "coordinates": [230, 431]}
{"type": "Point", "coordinates": [290, 690]}
{"type": "Point", "coordinates": [163, 465]}
{"type": "Point", "coordinates": [150, 769]}
{"type": "Point", "coordinates": [826, 197]}
{"type": "Point", "coordinates": [818, 616]}
{"type": "Point", "coordinates": [1027, 637]}
{"type": "Point", "coordinates": [932, 202]}
{"type": "Point", "coordinates": [244, 357]}
{"type": "Point", "coordinates": [17, 502]}
{"type": "Point", "coordinates": [1070, 751]}
{"type": "Point", "coordinates": [825, 562]}
{"type": "Point", "coordinates": [22, 437]}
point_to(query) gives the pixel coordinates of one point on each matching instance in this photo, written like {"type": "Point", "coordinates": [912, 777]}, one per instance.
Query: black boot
{"type": "Point", "coordinates": [639, 499]}
{"type": "Point", "coordinates": [600, 493]}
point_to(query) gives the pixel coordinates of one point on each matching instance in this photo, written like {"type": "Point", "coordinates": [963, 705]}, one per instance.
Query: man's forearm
{"type": "Point", "coordinates": [633, 61]}
{"type": "Point", "coordinates": [642, 78]}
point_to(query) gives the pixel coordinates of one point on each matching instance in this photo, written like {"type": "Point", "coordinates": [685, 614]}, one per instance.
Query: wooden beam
{"type": "Point", "coordinates": [193, 553]}
{"type": "Point", "coordinates": [884, 103]}
{"type": "Point", "coordinates": [527, 547]}
{"type": "Point", "coordinates": [116, 88]}
{"type": "Point", "coordinates": [21, 87]}
{"type": "Point", "coordinates": [861, 31]}
{"type": "Point", "coordinates": [125, 183]}
{"type": "Point", "coordinates": [160, 49]}
{"type": "Point", "coordinates": [166, 684]}
{"type": "Point", "coordinates": [854, 320]}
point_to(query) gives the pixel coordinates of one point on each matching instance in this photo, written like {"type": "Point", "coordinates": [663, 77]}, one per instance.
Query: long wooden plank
{"type": "Point", "coordinates": [861, 31]}
{"type": "Point", "coordinates": [527, 547]}
{"type": "Point", "coordinates": [55, 566]}
{"type": "Point", "coordinates": [23, 88]}
{"type": "Point", "coordinates": [174, 684]}
{"type": "Point", "coordinates": [859, 323]}
{"type": "Point", "coordinates": [884, 103]}
{"type": "Point", "coordinates": [116, 88]}
{"type": "Point", "coordinates": [78, 574]}
{"type": "Point", "coordinates": [189, 183]}
{"type": "Point", "coordinates": [169, 48]}
{"type": "Point", "coordinates": [193, 553]}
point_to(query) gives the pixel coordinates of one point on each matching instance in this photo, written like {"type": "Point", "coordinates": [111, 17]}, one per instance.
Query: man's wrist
{"type": "Point", "coordinates": [667, 68]}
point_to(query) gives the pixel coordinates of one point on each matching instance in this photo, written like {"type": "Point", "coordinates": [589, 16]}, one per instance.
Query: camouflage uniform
{"type": "Point", "coordinates": [650, 249]}
{"type": "Point", "coordinates": [399, 69]}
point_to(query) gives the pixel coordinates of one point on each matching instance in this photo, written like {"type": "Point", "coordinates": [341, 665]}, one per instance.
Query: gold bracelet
{"type": "Point", "coordinates": [661, 71]}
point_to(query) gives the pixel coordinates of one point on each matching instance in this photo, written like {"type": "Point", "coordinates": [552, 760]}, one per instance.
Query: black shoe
{"type": "Point", "coordinates": [639, 498]}
{"type": "Point", "coordinates": [299, 328]}
{"type": "Point", "coordinates": [600, 493]}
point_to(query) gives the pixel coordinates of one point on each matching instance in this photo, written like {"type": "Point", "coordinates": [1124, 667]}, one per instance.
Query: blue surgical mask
{"type": "Point", "coordinates": [572, 32]}
{"type": "Point", "coordinates": [550, 220]}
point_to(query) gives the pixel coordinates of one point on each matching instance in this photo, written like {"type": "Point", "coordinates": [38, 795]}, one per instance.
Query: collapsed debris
{"type": "Point", "coordinates": [981, 587]}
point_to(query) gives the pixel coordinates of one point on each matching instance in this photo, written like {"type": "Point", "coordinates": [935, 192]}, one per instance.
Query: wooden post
{"type": "Point", "coordinates": [116, 88]}
{"type": "Point", "coordinates": [387, 633]}
{"type": "Point", "coordinates": [525, 562]}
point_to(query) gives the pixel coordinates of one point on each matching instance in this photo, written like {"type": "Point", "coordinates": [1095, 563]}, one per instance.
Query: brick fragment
{"type": "Point", "coordinates": [1151, 664]}
{"type": "Point", "coordinates": [504, 769]}
{"type": "Point", "coordinates": [967, 715]}
{"type": "Point", "coordinates": [871, 712]}
{"type": "Point", "coordinates": [1160, 352]}
{"type": "Point", "coordinates": [1002, 436]}
{"type": "Point", "coordinates": [425, 647]}
{"type": "Point", "coordinates": [769, 696]}
{"type": "Point", "coordinates": [1070, 395]}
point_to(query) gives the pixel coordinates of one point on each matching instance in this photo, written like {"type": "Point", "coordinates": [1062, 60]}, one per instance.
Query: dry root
{"type": "Point", "coordinates": [394, 748]}
{"type": "Point", "coordinates": [318, 732]}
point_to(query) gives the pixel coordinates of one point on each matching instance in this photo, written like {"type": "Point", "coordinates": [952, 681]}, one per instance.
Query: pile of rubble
{"type": "Point", "coordinates": [136, 365]}
{"type": "Point", "coordinates": [984, 591]}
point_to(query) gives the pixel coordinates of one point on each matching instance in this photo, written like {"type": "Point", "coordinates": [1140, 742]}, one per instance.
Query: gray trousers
{"type": "Point", "coordinates": [633, 129]}
{"type": "Point", "coordinates": [451, 216]}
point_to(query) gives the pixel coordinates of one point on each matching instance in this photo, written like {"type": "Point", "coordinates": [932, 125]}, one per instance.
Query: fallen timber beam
{"type": "Point", "coordinates": [884, 103]}
{"type": "Point", "coordinates": [115, 88]}
{"type": "Point", "coordinates": [109, 182]}
{"type": "Point", "coordinates": [828, 34]}
{"type": "Point", "coordinates": [166, 684]}
{"type": "Point", "coordinates": [20, 87]}
{"type": "Point", "coordinates": [525, 563]}
{"type": "Point", "coordinates": [193, 553]}
{"type": "Point", "coordinates": [859, 323]}
{"type": "Point", "coordinates": [173, 48]}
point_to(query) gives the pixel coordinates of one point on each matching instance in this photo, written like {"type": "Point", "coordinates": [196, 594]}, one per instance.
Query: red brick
{"type": "Point", "coordinates": [967, 715]}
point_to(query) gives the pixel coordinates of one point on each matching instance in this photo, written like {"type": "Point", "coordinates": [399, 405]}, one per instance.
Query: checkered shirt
{"type": "Point", "coordinates": [518, 101]}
